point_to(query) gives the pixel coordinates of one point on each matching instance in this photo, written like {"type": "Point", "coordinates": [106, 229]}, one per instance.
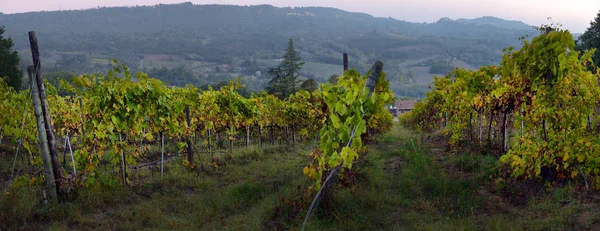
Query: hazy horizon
{"type": "Point", "coordinates": [573, 15]}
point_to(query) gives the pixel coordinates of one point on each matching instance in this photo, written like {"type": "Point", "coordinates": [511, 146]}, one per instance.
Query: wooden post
{"type": "Point", "coordinates": [82, 117]}
{"type": "Point", "coordinates": [293, 136]}
{"type": "Point", "coordinates": [124, 166]}
{"type": "Point", "coordinates": [46, 159]}
{"type": "Point", "coordinates": [480, 126]}
{"type": "Point", "coordinates": [505, 131]}
{"type": "Point", "coordinates": [162, 151]}
{"type": "Point", "coordinates": [489, 137]}
{"type": "Point", "coordinates": [190, 148]}
{"type": "Point", "coordinates": [209, 145]}
{"type": "Point", "coordinates": [471, 127]}
{"type": "Point", "coordinates": [287, 135]}
{"type": "Point", "coordinates": [260, 136]}
{"type": "Point", "coordinates": [272, 137]}
{"type": "Point", "coordinates": [374, 76]}
{"type": "Point", "coordinates": [64, 163]}
{"type": "Point", "coordinates": [247, 136]}
{"type": "Point", "coordinates": [230, 144]}
{"type": "Point", "coordinates": [345, 62]}
{"type": "Point", "coordinates": [45, 111]}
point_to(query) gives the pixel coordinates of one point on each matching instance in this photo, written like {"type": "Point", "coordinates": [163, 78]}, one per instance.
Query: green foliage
{"type": "Point", "coordinates": [546, 86]}
{"type": "Point", "coordinates": [309, 85]}
{"type": "Point", "coordinates": [178, 76]}
{"type": "Point", "coordinates": [333, 79]}
{"type": "Point", "coordinates": [9, 63]}
{"type": "Point", "coordinates": [291, 63]}
{"type": "Point", "coordinates": [109, 116]}
{"type": "Point", "coordinates": [17, 121]}
{"type": "Point", "coordinates": [264, 194]}
{"type": "Point", "coordinates": [285, 76]}
{"type": "Point", "coordinates": [591, 39]}
{"type": "Point", "coordinates": [351, 109]}
{"type": "Point", "coordinates": [557, 105]}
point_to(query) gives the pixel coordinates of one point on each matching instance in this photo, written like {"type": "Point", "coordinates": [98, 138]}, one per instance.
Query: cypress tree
{"type": "Point", "coordinates": [285, 76]}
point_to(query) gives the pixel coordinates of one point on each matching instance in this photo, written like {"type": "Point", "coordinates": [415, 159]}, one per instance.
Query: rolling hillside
{"type": "Point", "coordinates": [218, 42]}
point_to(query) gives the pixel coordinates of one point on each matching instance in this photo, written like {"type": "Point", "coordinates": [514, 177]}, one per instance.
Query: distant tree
{"type": "Point", "coordinates": [278, 85]}
{"type": "Point", "coordinates": [285, 76]}
{"type": "Point", "coordinates": [591, 39]}
{"type": "Point", "coordinates": [333, 79]}
{"type": "Point", "coordinates": [291, 63]}
{"type": "Point", "coordinates": [309, 85]}
{"type": "Point", "coordinates": [9, 63]}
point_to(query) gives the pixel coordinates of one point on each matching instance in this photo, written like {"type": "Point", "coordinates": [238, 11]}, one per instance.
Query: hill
{"type": "Point", "coordinates": [217, 42]}
{"type": "Point", "coordinates": [497, 22]}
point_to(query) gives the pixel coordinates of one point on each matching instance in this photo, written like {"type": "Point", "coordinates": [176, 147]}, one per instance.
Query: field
{"type": "Point", "coordinates": [408, 181]}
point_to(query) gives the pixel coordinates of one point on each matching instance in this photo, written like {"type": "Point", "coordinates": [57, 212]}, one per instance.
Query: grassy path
{"type": "Point", "coordinates": [406, 182]}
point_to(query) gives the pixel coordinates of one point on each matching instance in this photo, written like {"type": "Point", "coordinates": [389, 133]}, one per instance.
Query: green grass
{"type": "Point", "coordinates": [403, 183]}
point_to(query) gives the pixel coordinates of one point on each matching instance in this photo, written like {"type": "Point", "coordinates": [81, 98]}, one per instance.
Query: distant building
{"type": "Point", "coordinates": [402, 106]}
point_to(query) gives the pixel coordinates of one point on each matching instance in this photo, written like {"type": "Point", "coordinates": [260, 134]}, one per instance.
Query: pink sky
{"type": "Point", "coordinates": [574, 15]}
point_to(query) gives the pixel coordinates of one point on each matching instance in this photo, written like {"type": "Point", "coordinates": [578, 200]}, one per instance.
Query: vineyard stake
{"type": "Point", "coordinates": [370, 85]}
{"type": "Point", "coordinates": [190, 148]}
{"type": "Point", "coordinates": [345, 62]}
{"type": "Point", "coordinates": [46, 159]}
{"type": "Point", "coordinates": [72, 157]}
{"type": "Point", "coordinates": [82, 118]}
{"type": "Point", "coordinates": [162, 151]}
{"type": "Point", "coordinates": [247, 136]}
{"type": "Point", "coordinates": [480, 125]}
{"type": "Point", "coordinates": [51, 138]}
{"type": "Point", "coordinates": [142, 140]}
{"type": "Point", "coordinates": [209, 145]}
{"type": "Point", "coordinates": [65, 152]}
{"type": "Point", "coordinates": [1, 135]}
{"type": "Point", "coordinates": [123, 160]}
{"type": "Point", "coordinates": [259, 136]}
